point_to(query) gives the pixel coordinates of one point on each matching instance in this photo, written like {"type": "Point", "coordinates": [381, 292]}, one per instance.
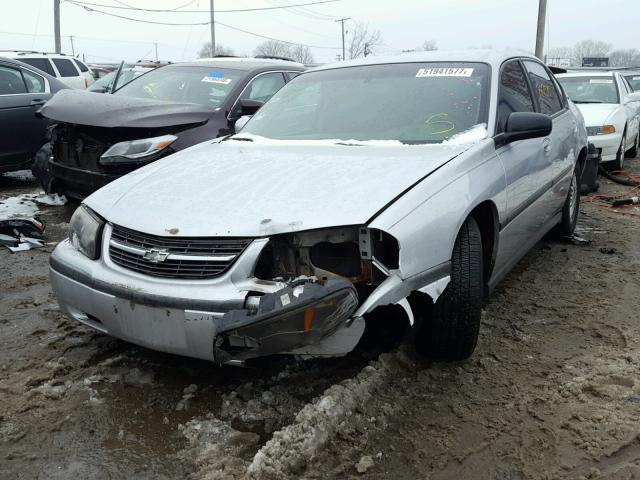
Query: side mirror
{"type": "Point", "coordinates": [632, 97]}
{"type": "Point", "coordinates": [525, 125]}
{"type": "Point", "coordinates": [246, 107]}
{"type": "Point", "coordinates": [241, 122]}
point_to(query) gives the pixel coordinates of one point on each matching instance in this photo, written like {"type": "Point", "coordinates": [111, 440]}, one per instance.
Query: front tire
{"type": "Point", "coordinates": [571, 208]}
{"type": "Point", "coordinates": [450, 327]}
{"type": "Point", "coordinates": [618, 163]}
{"type": "Point", "coordinates": [633, 153]}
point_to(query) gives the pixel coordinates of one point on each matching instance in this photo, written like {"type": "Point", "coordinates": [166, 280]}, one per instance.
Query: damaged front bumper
{"type": "Point", "coordinates": [213, 320]}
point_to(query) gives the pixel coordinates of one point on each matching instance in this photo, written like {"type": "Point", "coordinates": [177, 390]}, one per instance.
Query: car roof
{"type": "Point", "coordinates": [53, 81]}
{"type": "Point", "coordinates": [492, 57]}
{"type": "Point", "coordinates": [33, 54]}
{"type": "Point", "coordinates": [241, 63]}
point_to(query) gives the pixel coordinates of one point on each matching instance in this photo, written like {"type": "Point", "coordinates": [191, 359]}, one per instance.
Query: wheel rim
{"type": "Point", "coordinates": [573, 197]}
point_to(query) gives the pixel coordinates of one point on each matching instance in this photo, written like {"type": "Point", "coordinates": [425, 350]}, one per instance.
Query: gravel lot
{"type": "Point", "coordinates": [552, 391]}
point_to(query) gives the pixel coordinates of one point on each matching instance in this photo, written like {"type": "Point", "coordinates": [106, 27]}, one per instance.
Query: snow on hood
{"type": "Point", "coordinates": [106, 110]}
{"type": "Point", "coordinates": [234, 188]}
{"type": "Point", "coordinates": [597, 114]}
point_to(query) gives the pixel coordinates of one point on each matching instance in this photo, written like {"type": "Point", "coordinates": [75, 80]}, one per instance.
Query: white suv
{"type": "Point", "coordinates": [66, 68]}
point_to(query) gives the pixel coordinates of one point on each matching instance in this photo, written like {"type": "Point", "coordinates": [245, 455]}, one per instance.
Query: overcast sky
{"type": "Point", "coordinates": [404, 24]}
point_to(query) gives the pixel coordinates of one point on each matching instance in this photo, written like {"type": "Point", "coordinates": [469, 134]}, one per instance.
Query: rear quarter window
{"type": "Point", "coordinates": [81, 66]}
{"type": "Point", "coordinates": [65, 67]}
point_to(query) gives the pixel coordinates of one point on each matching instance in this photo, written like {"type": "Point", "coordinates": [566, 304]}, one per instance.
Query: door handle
{"type": "Point", "coordinates": [546, 145]}
{"type": "Point", "coordinates": [38, 102]}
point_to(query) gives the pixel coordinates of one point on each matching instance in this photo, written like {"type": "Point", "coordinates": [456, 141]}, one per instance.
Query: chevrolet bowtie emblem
{"type": "Point", "coordinates": [156, 255]}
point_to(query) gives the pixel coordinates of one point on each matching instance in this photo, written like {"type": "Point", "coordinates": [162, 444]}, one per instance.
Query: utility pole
{"type": "Point", "coordinates": [542, 16]}
{"type": "Point", "coordinates": [213, 29]}
{"type": "Point", "coordinates": [342, 20]}
{"type": "Point", "coordinates": [156, 45]}
{"type": "Point", "coordinates": [56, 24]}
{"type": "Point", "coordinates": [73, 50]}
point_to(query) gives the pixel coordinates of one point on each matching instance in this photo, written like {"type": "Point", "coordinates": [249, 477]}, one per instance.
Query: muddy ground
{"type": "Point", "coordinates": [551, 392]}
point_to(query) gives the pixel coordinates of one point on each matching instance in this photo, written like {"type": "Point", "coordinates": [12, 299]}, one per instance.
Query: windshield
{"type": "Point", "coordinates": [105, 82]}
{"type": "Point", "coordinates": [203, 85]}
{"type": "Point", "coordinates": [590, 89]}
{"type": "Point", "coordinates": [410, 103]}
{"type": "Point", "coordinates": [634, 81]}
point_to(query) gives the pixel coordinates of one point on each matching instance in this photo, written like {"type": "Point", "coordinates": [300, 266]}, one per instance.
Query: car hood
{"type": "Point", "coordinates": [88, 108]}
{"type": "Point", "coordinates": [233, 188]}
{"type": "Point", "coordinates": [596, 114]}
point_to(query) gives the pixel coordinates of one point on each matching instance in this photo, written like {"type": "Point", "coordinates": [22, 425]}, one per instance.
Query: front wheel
{"type": "Point", "coordinates": [618, 163]}
{"type": "Point", "coordinates": [450, 327]}
{"type": "Point", "coordinates": [634, 151]}
{"type": "Point", "coordinates": [571, 207]}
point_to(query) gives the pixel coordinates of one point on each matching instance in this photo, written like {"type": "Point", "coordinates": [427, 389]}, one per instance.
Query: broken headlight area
{"type": "Point", "coordinates": [360, 255]}
{"type": "Point", "coordinates": [302, 313]}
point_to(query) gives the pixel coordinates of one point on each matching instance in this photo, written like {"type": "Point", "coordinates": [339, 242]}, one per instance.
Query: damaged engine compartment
{"type": "Point", "coordinates": [322, 277]}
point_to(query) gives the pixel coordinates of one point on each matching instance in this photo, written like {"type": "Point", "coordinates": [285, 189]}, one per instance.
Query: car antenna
{"type": "Point", "coordinates": [115, 80]}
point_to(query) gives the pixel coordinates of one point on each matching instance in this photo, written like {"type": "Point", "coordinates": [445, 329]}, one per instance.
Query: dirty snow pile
{"type": "Point", "coordinates": [291, 448]}
{"type": "Point", "coordinates": [51, 200]}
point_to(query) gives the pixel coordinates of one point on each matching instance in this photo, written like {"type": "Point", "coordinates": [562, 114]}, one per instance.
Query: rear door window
{"type": "Point", "coordinates": [65, 67]}
{"type": "Point", "coordinates": [40, 63]}
{"type": "Point", "coordinates": [291, 75]}
{"type": "Point", "coordinates": [35, 83]}
{"type": "Point", "coordinates": [514, 94]}
{"type": "Point", "coordinates": [544, 88]}
{"type": "Point", "coordinates": [11, 82]}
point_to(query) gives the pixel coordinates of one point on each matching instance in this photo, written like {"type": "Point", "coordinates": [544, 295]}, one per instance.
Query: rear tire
{"type": "Point", "coordinates": [450, 327]}
{"type": "Point", "coordinates": [571, 208]}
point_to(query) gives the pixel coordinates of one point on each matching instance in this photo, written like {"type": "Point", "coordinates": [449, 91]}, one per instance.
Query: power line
{"type": "Point", "coordinates": [303, 12]}
{"type": "Point", "coordinates": [231, 27]}
{"type": "Point", "coordinates": [128, 7]}
{"type": "Point", "coordinates": [170, 10]}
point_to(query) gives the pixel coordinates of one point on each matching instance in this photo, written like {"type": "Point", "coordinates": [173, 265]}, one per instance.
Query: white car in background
{"type": "Point", "coordinates": [69, 70]}
{"type": "Point", "coordinates": [611, 112]}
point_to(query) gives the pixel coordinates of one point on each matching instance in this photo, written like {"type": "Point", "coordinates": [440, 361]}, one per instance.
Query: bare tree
{"type": "Point", "coordinates": [624, 58]}
{"type": "Point", "coordinates": [589, 48]}
{"type": "Point", "coordinates": [273, 48]}
{"type": "Point", "coordinates": [300, 53]}
{"type": "Point", "coordinates": [428, 46]}
{"type": "Point", "coordinates": [205, 51]}
{"type": "Point", "coordinates": [363, 42]}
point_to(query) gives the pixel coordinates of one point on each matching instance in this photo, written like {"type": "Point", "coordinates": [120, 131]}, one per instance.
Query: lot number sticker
{"type": "Point", "coordinates": [444, 72]}
{"type": "Point", "coordinates": [216, 77]}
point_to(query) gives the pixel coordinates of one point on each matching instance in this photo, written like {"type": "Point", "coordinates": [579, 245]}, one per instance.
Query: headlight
{"type": "Point", "coordinates": [85, 232]}
{"type": "Point", "coordinates": [604, 130]}
{"type": "Point", "coordinates": [124, 152]}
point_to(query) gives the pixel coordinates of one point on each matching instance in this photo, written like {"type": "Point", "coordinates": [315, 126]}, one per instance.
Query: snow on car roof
{"type": "Point", "coordinates": [590, 73]}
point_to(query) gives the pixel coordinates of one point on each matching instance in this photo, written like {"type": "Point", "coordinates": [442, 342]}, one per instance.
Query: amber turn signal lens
{"type": "Point", "coordinates": [607, 129]}
{"type": "Point", "coordinates": [309, 313]}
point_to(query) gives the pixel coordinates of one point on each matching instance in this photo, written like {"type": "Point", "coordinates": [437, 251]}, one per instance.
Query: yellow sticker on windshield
{"type": "Point", "coordinates": [444, 72]}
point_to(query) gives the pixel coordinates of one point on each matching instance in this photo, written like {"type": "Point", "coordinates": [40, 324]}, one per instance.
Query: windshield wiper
{"type": "Point", "coordinates": [241, 139]}
{"type": "Point", "coordinates": [585, 101]}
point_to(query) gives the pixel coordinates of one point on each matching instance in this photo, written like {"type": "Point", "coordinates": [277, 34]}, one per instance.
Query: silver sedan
{"type": "Point", "coordinates": [418, 180]}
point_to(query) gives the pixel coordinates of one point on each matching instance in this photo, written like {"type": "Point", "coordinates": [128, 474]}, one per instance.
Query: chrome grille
{"type": "Point", "coordinates": [174, 257]}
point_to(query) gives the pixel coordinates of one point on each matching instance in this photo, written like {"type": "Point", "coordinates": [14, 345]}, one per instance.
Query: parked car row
{"type": "Point", "coordinates": [23, 91]}
{"type": "Point", "coordinates": [611, 109]}
{"type": "Point", "coordinates": [418, 180]}
{"type": "Point", "coordinates": [69, 70]}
